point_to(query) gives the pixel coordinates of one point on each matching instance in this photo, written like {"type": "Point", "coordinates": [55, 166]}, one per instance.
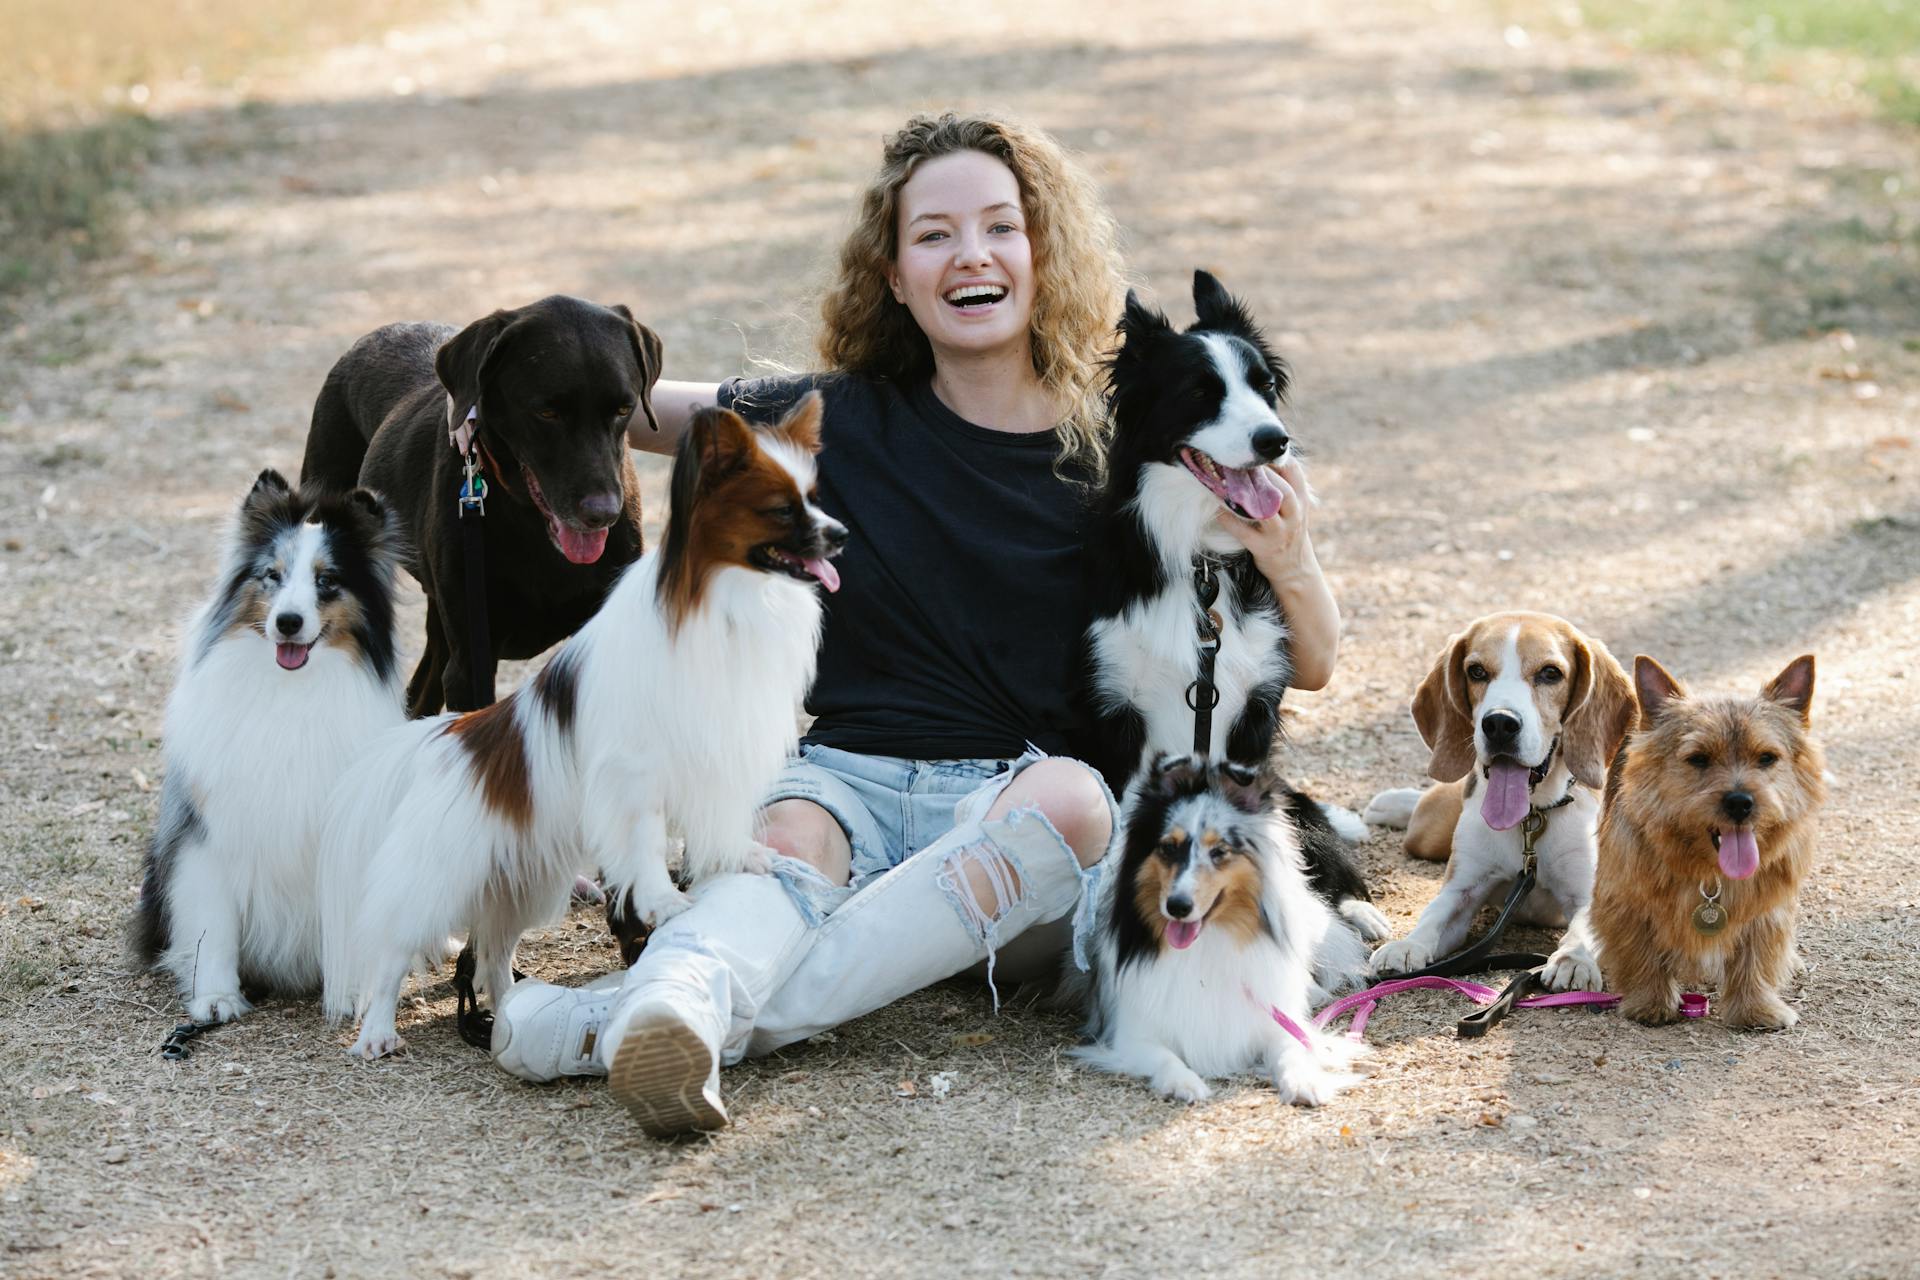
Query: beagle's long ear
{"type": "Point", "coordinates": [1600, 711]}
{"type": "Point", "coordinates": [1441, 713]}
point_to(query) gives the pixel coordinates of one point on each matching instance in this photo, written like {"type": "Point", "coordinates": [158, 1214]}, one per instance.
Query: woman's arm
{"type": "Point", "coordinates": [1283, 552]}
{"type": "Point", "coordinates": [673, 404]}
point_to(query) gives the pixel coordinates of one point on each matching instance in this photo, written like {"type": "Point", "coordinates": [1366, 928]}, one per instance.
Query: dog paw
{"type": "Point", "coordinates": [1367, 920]}
{"type": "Point", "coordinates": [1308, 1086]}
{"type": "Point", "coordinates": [1182, 1085]}
{"type": "Point", "coordinates": [1573, 970]}
{"type": "Point", "coordinates": [1652, 1011]}
{"type": "Point", "coordinates": [1769, 1014]}
{"type": "Point", "coordinates": [656, 911]}
{"type": "Point", "coordinates": [221, 1006]}
{"type": "Point", "coordinates": [1403, 956]}
{"type": "Point", "coordinates": [371, 1047]}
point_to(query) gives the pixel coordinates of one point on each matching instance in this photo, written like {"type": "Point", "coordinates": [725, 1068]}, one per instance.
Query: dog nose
{"type": "Point", "coordinates": [832, 533]}
{"type": "Point", "coordinates": [1179, 908]}
{"type": "Point", "coordinates": [288, 623]}
{"type": "Point", "coordinates": [599, 509]}
{"type": "Point", "coordinates": [1501, 727]}
{"type": "Point", "coordinates": [1737, 805]}
{"type": "Point", "coordinates": [1269, 443]}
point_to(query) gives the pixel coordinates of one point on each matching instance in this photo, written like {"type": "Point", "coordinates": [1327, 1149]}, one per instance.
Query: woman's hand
{"type": "Point", "coordinates": [1282, 550]}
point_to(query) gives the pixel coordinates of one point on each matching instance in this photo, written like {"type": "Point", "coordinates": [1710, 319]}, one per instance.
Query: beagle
{"type": "Point", "coordinates": [1522, 714]}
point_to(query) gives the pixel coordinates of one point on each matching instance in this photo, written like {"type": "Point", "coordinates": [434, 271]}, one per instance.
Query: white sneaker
{"type": "Point", "coordinates": [665, 1073]}
{"type": "Point", "coordinates": [542, 1032]}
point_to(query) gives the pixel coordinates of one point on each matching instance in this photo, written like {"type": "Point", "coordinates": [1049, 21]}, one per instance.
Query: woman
{"type": "Point", "coordinates": [933, 815]}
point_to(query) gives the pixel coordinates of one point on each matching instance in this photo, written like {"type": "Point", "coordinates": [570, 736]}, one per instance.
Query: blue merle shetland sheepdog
{"type": "Point", "coordinates": [1206, 935]}
{"type": "Point", "coordinates": [1195, 424]}
{"type": "Point", "coordinates": [287, 676]}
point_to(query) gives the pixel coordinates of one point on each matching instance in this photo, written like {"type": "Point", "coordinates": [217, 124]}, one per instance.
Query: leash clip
{"type": "Point", "coordinates": [1530, 829]}
{"type": "Point", "coordinates": [473, 489]}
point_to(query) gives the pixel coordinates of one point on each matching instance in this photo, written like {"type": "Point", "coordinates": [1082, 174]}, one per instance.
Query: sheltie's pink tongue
{"type": "Point", "coordinates": [1739, 853]}
{"type": "Point", "coordinates": [291, 656]}
{"type": "Point", "coordinates": [823, 570]}
{"type": "Point", "coordinates": [1255, 490]}
{"type": "Point", "coordinates": [1506, 800]}
{"type": "Point", "coordinates": [581, 548]}
{"type": "Point", "coordinates": [1181, 933]}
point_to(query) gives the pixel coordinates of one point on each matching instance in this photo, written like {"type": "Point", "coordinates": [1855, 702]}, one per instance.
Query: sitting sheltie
{"type": "Point", "coordinates": [1205, 926]}
{"type": "Point", "coordinates": [1195, 426]}
{"type": "Point", "coordinates": [288, 675]}
{"type": "Point", "coordinates": [669, 714]}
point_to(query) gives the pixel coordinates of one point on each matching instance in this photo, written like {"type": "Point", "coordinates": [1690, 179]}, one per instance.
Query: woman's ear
{"type": "Point", "coordinates": [893, 283]}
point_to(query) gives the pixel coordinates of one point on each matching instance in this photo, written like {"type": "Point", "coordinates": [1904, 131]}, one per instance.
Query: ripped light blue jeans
{"type": "Point", "coordinates": [907, 917]}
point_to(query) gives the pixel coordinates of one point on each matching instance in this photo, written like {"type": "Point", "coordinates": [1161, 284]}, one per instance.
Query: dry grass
{"type": "Point", "coordinates": [1621, 340]}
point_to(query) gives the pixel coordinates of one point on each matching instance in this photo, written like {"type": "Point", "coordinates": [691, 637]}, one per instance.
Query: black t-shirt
{"type": "Point", "coordinates": [956, 630]}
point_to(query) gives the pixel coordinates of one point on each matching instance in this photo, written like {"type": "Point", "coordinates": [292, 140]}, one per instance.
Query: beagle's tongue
{"type": "Point", "coordinates": [1506, 800]}
{"type": "Point", "coordinates": [1739, 853]}
{"type": "Point", "coordinates": [823, 570]}
{"type": "Point", "coordinates": [1255, 490]}
{"type": "Point", "coordinates": [1181, 933]}
{"type": "Point", "coordinates": [579, 547]}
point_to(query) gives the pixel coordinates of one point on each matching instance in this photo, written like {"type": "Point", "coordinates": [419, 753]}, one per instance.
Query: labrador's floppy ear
{"type": "Point", "coordinates": [462, 362]}
{"type": "Point", "coordinates": [1600, 711]}
{"type": "Point", "coordinates": [648, 350]}
{"type": "Point", "coordinates": [1441, 713]}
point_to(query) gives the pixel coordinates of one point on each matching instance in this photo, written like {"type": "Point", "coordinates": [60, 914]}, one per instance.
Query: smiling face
{"type": "Point", "coordinates": [964, 266]}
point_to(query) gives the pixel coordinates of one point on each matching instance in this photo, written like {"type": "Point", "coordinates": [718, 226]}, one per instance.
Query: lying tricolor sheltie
{"type": "Point", "coordinates": [669, 714]}
{"type": "Point", "coordinates": [1206, 938]}
{"type": "Point", "coordinates": [1195, 426]}
{"type": "Point", "coordinates": [287, 676]}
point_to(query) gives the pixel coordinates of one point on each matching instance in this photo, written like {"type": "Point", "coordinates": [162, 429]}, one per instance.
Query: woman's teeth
{"type": "Point", "coordinates": [975, 294]}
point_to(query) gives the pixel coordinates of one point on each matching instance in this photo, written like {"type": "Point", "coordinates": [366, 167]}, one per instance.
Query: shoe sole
{"type": "Point", "coordinates": [659, 1074]}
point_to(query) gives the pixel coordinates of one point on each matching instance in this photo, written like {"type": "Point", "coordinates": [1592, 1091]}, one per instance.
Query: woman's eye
{"type": "Point", "coordinates": [1699, 759]}
{"type": "Point", "coordinates": [1004, 227]}
{"type": "Point", "coordinates": [1476, 673]}
{"type": "Point", "coordinates": [930, 236]}
{"type": "Point", "coordinates": [1549, 675]}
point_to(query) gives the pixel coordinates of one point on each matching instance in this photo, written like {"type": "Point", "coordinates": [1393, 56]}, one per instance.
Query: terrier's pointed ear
{"type": "Point", "coordinates": [1793, 687]}
{"type": "Point", "coordinates": [1655, 687]}
{"type": "Point", "coordinates": [1442, 715]}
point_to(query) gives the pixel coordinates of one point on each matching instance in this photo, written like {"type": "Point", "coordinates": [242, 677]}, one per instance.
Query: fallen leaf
{"type": "Point", "coordinates": [973, 1039]}
{"type": "Point", "coordinates": [906, 1089]}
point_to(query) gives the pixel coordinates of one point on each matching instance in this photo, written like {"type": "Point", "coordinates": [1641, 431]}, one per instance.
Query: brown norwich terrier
{"type": "Point", "coordinates": [1706, 834]}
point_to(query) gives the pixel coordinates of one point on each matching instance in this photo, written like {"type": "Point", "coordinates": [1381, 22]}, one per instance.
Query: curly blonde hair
{"type": "Point", "coordinates": [1076, 268]}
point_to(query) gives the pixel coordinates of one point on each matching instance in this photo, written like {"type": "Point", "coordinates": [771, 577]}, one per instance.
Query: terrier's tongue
{"type": "Point", "coordinates": [823, 570]}
{"type": "Point", "coordinates": [1181, 933]}
{"type": "Point", "coordinates": [291, 656]}
{"type": "Point", "coordinates": [581, 548]}
{"type": "Point", "coordinates": [1255, 490]}
{"type": "Point", "coordinates": [1739, 853]}
{"type": "Point", "coordinates": [1506, 800]}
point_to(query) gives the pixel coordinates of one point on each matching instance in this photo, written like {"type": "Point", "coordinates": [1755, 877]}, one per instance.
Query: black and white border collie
{"type": "Point", "coordinates": [287, 677]}
{"type": "Point", "coordinates": [669, 714]}
{"type": "Point", "coordinates": [1195, 426]}
{"type": "Point", "coordinates": [1204, 927]}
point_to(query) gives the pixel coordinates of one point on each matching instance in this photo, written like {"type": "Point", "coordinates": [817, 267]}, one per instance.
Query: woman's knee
{"type": "Point", "coordinates": [802, 829]}
{"type": "Point", "coordinates": [1073, 800]}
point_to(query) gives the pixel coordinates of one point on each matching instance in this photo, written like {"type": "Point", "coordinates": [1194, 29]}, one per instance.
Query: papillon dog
{"type": "Point", "coordinates": [668, 715]}
{"type": "Point", "coordinates": [1195, 426]}
{"type": "Point", "coordinates": [287, 676]}
{"type": "Point", "coordinates": [1209, 945]}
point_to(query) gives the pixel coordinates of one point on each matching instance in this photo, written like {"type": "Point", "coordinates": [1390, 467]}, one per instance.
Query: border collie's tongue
{"type": "Point", "coordinates": [823, 570]}
{"type": "Point", "coordinates": [1181, 933]}
{"type": "Point", "coordinates": [1506, 800]}
{"type": "Point", "coordinates": [1739, 853]}
{"type": "Point", "coordinates": [291, 656]}
{"type": "Point", "coordinates": [581, 548]}
{"type": "Point", "coordinates": [1255, 490]}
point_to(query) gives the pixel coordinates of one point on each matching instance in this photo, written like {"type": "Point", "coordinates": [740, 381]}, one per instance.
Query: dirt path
{"type": "Point", "coordinates": [1616, 338]}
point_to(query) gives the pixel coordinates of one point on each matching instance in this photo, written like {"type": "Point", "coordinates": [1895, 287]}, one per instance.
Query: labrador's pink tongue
{"type": "Point", "coordinates": [291, 656]}
{"type": "Point", "coordinates": [581, 548]}
{"type": "Point", "coordinates": [1739, 853]}
{"type": "Point", "coordinates": [1181, 933]}
{"type": "Point", "coordinates": [1255, 490]}
{"type": "Point", "coordinates": [1506, 800]}
{"type": "Point", "coordinates": [823, 570]}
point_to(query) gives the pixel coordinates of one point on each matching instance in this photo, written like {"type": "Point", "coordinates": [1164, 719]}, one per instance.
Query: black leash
{"type": "Point", "coordinates": [1203, 695]}
{"type": "Point", "coordinates": [1483, 1020]}
{"type": "Point", "coordinates": [178, 1045]}
{"type": "Point", "coordinates": [474, 1023]}
{"type": "Point", "coordinates": [1480, 957]}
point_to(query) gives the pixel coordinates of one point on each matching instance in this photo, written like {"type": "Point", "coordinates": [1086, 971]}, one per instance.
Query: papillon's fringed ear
{"type": "Point", "coordinates": [721, 441]}
{"type": "Point", "coordinates": [1655, 687]}
{"type": "Point", "coordinates": [648, 350]}
{"type": "Point", "coordinates": [268, 486]}
{"type": "Point", "coordinates": [1173, 773]}
{"type": "Point", "coordinates": [802, 423]}
{"type": "Point", "coordinates": [1240, 784]}
{"type": "Point", "coordinates": [1441, 713]}
{"type": "Point", "coordinates": [1793, 687]}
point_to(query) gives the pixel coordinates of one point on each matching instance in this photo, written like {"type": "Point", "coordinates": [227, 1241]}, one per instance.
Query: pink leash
{"type": "Point", "coordinates": [1362, 1003]}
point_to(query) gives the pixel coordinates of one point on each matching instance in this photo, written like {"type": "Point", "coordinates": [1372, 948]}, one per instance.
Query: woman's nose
{"type": "Point", "coordinates": [971, 251]}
